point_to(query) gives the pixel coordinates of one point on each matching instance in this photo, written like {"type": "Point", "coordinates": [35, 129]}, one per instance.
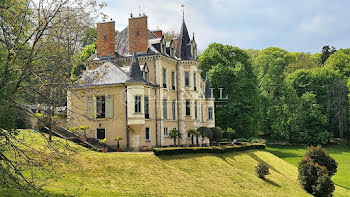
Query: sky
{"type": "Point", "coordinates": [294, 25]}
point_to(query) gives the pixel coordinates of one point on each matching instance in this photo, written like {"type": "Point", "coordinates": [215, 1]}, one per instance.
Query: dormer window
{"type": "Point", "coordinates": [145, 72]}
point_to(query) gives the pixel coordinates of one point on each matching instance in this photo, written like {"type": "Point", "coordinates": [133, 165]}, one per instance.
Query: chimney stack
{"type": "Point", "coordinates": [138, 34]}
{"type": "Point", "coordinates": [105, 39]}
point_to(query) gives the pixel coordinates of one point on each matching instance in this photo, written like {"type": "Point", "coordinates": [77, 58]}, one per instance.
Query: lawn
{"type": "Point", "coordinates": [341, 153]}
{"type": "Point", "coordinates": [89, 173]}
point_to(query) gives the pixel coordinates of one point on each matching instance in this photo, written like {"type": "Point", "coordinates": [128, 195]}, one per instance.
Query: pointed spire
{"type": "Point", "coordinates": [207, 87]}
{"type": "Point", "coordinates": [135, 73]}
{"type": "Point", "coordinates": [183, 51]}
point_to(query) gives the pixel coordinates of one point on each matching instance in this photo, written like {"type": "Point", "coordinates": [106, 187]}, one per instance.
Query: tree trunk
{"type": "Point", "coordinates": [192, 139]}
{"type": "Point", "coordinates": [174, 141]}
{"type": "Point", "coordinates": [197, 140]}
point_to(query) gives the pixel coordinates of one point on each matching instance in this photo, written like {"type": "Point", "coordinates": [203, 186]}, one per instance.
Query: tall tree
{"type": "Point", "coordinates": [235, 87]}
{"type": "Point", "coordinates": [37, 39]}
{"type": "Point", "coordinates": [326, 52]}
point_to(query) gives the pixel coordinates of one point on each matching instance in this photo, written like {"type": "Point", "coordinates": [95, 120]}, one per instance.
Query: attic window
{"type": "Point", "coordinates": [145, 73]}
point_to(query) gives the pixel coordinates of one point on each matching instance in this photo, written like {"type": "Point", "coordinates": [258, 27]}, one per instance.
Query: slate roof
{"type": "Point", "coordinates": [183, 50]}
{"type": "Point", "coordinates": [107, 73]}
{"type": "Point", "coordinates": [135, 73]}
{"type": "Point", "coordinates": [122, 41]}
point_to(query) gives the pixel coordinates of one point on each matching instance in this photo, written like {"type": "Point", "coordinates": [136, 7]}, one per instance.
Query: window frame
{"type": "Point", "coordinates": [103, 106]}
{"type": "Point", "coordinates": [146, 106]}
{"type": "Point", "coordinates": [149, 134]}
{"type": "Point", "coordinates": [166, 134]}
{"type": "Point", "coordinates": [164, 78]}
{"type": "Point", "coordinates": [187, 78]}
{"type": "Point", "coordinates": [195, 110]}
{"type": "Point", "coordinates": [138, 104]}
{"type": "Point", "coordinates": [194, 82]}
{"type": "Point", "coordinates": [188, 107]}
{"type": "Point", "coordinates": [210, 113]}
{"type": "Point", "coordinates": [97, 133]}
{"type": "Point", "coordinates": [165, 109]}
{"type": "Point", "coordinates": [173, 87]}
{"type": "Point", "coordinates": [173, 106]}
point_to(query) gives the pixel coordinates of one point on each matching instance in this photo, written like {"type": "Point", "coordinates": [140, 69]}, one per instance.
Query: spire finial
{"type": "Point", "coordinates": [183, 11]}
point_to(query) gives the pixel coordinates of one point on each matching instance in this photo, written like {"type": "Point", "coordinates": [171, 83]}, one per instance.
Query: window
{"type": "Point", "coordinates": [174, 109]}
{"type": "Point", "coordinates": [147, 138]}
{"type": "Point", "coordinates": [164, 78]}
{"type": "Point", "coordinates": [210, 113]}
{"type": "Point", "coordinates": [146, 107]}
{"type": "Point", "coordinates": [188, 109]}
{"type": "Point", "coordinates": [195, 110]}
{"type": "Point", "coordinates": [166, 133]}
{"type": "Point", "coordinates": [137, 104]}
{"type": "Point", "coordinates": [194, 82]}
{"type": "Point", "coordinates": [202, 115]}
{"type": "Point", "coordinates": [173, 80]}
{"type": "Point", "coordinates": [101, 134]}
{"type": "Point", "coordinates": [188, 135]}
{"type": "Point", "coordinates": [187, 79]}
{"type": "Point", "coordinates": [165, 109]}
{"type": "Point", "coordinates": [101, 107]}
{"type": "Point", "coordinates": [145, 73]}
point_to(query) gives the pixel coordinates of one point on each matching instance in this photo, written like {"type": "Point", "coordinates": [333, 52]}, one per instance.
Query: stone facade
{"type": "Point", "coordinates": [171, 95]}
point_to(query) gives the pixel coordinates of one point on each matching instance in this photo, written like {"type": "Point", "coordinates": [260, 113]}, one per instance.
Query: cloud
{"type": "Point", "coordinates": [293, 25]}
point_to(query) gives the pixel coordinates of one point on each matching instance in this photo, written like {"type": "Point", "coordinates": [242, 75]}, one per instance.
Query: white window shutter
{"type": "Point", "coordinates": [109, 106]}
{"type": "Point", "coordinates": [90, 107]}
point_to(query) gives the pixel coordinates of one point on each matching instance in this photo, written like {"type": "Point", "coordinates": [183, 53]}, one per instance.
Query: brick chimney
{"type": "Point", "coordinates": [158, 33]}
{"type": "Point", "coordinates": [138, 34]}
{"type": "Point", "coordinates": [105, 39]}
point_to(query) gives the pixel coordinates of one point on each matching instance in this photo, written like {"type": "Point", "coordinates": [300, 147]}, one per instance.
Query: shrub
{"type": "Point", "coordinates": [213, 149]}
{"type": "Point", "coordinates": [242, 140]}
{"type": "Point", "coordinates": [262, 170]}
{"type": "Point", "coordinates": [216, 134]}
{"type": "Point", "coordinates": [315, 172]}
{"type": "Point", "coordinates": [224, 140]}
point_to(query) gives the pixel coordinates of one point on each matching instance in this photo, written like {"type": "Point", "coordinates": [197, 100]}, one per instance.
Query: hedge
{"type": "Point", "coordinates": [212, 149]}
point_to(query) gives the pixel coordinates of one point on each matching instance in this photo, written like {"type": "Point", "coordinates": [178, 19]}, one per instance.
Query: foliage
{"type": "Point", "coordinates": [229, 133]}
{"type": "Point", "coordinates": [102, 141]}
{"type": "Point", "coordinates": [262, 170]}
{"type": "Point", "coordinates": [81, 60]}
{"type": "Point", "coordinates": [175, 134]}
{"type": "Point", "coordinates": [193, 133]}
{"type": "Point", "coordinates": [230, 69]}
{"type": "Point", "coordinates": [312, 121]}
{"type": "Point", "coordinates": [211, 149]}
{"type": "Point", "coordinates": [118, 138]}
{"type": "Point", "coordinates": [216, 134]}
{"type": "Point", "coordinates": [326, 52]}
{"type": "Point", "coordinates": [315, 172]}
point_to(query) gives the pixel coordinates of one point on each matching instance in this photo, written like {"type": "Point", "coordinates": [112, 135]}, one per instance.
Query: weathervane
{"type": "Point", "coordinates": [183, 11]}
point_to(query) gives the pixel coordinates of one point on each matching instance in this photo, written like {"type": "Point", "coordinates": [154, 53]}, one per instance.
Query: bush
{"type": "Point", "coordinates": [315, 172]}
{"type": "Point", "coordinates": [224, 140]}
{"type": "Point", "coordinates": [242, 140]}
{"type": "Point", "coordinates": [212, 149]}
{"type": "Point", "coordinates": [262, 170]}
{"type": "Point", "coordinates": [216, 134]}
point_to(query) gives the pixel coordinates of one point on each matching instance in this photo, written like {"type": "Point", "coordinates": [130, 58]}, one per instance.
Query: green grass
{"type": "Point", "coordinates": [341, 153]}
{"type": "Point", "coordinates": [89, 173]}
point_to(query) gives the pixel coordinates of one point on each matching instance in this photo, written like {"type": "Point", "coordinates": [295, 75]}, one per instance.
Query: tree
{"type": "Point", "coordinates": [118, 139]}
{"type": "Point", "coordinates": [340, 61]}
{"type": "Point", "coordinates": [170, 35]}
{"type": "Point", "coordinates": [205, 132]}
{"type": "Point", "coordinates": [193, 133]}
{"type": "Point", "coordinates": [216, 134]}
{"type": "Point", "coordinates": [37, 40]}
{"type": "Point", "coordinates": [326, 52]}
{"type": "Point", "coordinates": [315, 172]}
{"type": "Point", "coordinates": [278, 100]}
{"type": "Point", "coordinates": [174, 134]}
{"type": "Point", "coordinates": [229, 134]}
{"type": "Point", "coordinates": [231, 71]}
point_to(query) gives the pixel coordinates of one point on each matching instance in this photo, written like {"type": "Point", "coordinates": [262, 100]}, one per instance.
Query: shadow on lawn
{"type": "Point", "coordinates": [271, 182]}
{"type": "Point", "coordinates": [281, 154]}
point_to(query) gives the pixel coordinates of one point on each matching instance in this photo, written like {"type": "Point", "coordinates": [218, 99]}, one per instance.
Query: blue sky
{"type": "Point", "coordinates": [294, 25]}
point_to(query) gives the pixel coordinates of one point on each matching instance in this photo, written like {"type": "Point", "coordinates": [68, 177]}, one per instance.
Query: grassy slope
{"type": "Point", "coordinates": [233, 174]}
{"type": "Point", "coordinates": [293, 155]}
